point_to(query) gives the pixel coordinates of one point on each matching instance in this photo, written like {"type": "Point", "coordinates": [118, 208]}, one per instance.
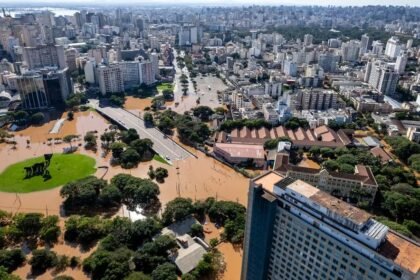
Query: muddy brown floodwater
{"type": "Point", "coordinates": [196, 178]}
{"type": "Point", "coordinates": [134, 103]}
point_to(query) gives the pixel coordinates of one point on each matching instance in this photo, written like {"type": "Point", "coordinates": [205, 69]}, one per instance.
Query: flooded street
{"type": "Point", "coordinates": [135, 103]}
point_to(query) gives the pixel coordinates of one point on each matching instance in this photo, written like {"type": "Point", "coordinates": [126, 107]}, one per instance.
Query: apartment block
{"type": "Point", "coordinates": [110, 79]}
{"type": "Point", "coordinates": [44, 56]}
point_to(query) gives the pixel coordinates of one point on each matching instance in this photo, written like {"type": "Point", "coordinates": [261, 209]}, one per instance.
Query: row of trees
{"type": "Point", "coordinates": [30, 228]}
{"type": "Point", "coordinates": [25, 118]}
{"type": "Point", "coordinates": [190, 130]}
{"type": "Point", "coordinates": [41, 260]}
{"type": "Point", "coordinates": [91, 193]}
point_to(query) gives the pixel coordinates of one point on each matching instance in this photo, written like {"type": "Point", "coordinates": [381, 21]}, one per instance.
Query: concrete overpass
{"type": "Point", "coordinates": [162, 145]}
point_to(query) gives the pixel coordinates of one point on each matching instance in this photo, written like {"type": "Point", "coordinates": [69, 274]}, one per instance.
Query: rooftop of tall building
{"type": "Point", "coordinates": [400, 249]}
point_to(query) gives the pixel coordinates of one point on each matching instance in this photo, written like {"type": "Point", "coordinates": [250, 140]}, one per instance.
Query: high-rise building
{"type": "Point", "coordinates": [290, 68]}
{"type": "Point", "coordinates": [71, 55]}
{"type": "Point", "coordinates": [401, 63]}
{"type": "Point", "coordinates": [377, 47]}
{"type": "Point", "coordinates": [393, 47]}
{"type": "Point", "coordinates": [189, 35]}
{"type": "Point", "coordinates": [316, 99]}
{"type": "Point", "coordinates": [44, 88]}
{"type": "Point", "coordinates": [307, 39]}
{"type": "Point", "coordinates": [365, 44]}
{"type": "Point", "coordinates": [328, 61]}
{"type": "Point", "coordinates": [44, 56]}
{"type": "Point", "coordinates": [109, 78]}
{"type": "Point", "coordinates": [130, 72]}
{"type": "Point", "coordinates": [382, 77]}
{"type": "Point", "coordinates": [89, 70]}
{"type": "Point", "coordinates": [154, 58]}
{"type": "Point", "coordinates": [350, 50]}
{"type": "Point", "coordinates": [147, 75]}
{"type": "Point", "coordinates": [296, 231]}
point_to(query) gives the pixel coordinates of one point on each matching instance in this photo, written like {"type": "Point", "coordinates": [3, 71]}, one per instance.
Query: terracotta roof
{"type": "Point", "coordinates": [367, 173]}
{"type": "Point", "coordinates": [343, 137]}
{"type": "Point", "coordinates": [299, 138]}
{"type": "Point", "coordinates": [379, 152]}
{"type": "Point", "coordinates": [291, 134]}
{"type": "Point", "coordinates": [310, 135]}
{"type": "Point", "coordinates": [268, 180]}
{"type": "Point", "coordinates": [241, 151]}
{"type": "Point", "coordinates": [328, 137]}
{"type": "Point", "coordinates": [300, 134]}
{"type": "Point", "coordinates": [320, 130]}
{"type": "Point", "coordinates": [402, 251]}
{"type": "Point", "coordinates": [263, 133]}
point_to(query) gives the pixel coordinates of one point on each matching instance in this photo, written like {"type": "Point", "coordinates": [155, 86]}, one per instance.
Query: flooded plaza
{"type": "Point", "coordinates": [197, 178]}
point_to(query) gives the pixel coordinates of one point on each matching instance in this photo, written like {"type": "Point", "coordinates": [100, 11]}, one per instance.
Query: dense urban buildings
{"type": "Point", "coordinates": [318, 106]}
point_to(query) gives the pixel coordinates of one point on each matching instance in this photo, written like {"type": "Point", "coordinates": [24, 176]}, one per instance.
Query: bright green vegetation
{"type": "Point", "coordinates": [63, 168]}
{"type": "Point", "coordinates": [165, 86]}
{"type": "Point", "coordinates": [160, 159]}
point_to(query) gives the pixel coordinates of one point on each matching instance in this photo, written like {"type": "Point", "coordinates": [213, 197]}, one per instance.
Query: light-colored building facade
{"type": "Point", "coordinates": [110, 79]}
{"type": "Point", "coordinates": [44, 56]}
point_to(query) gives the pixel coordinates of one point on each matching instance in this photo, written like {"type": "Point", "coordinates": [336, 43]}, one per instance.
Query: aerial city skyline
{"type": "Point", "coordinates": [209, 140]}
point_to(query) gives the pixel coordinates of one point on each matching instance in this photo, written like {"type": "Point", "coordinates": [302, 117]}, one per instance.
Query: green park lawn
{"type": "Point", "coordinates": [63, 169]}
{"type": "Point", "coordinates": [164, 86]}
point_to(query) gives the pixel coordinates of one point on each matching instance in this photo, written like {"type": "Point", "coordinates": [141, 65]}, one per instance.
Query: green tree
{"type": "Point", "coordinates": [90, 140]}
{"type": "Point", "coordinates": [130, 158]}
{"type": "Point", "coordinates": [69, 138]}
{"type": "Point", "coordinates": [70, 115]}
{"type": "Point", "coordinates": [11, 259]}
{"type": "Point", "coordinates": [4, 275]}
{"type": "Point", "coordinates": [142, 146]}
{"type": "Point", "coordinates": [197, 230]}
{"type": "Point", "coordinates": [117, 149]}
{"type": "Point", "coordinates": [177, 210]}
{"type": "Point", "coordinates": [37, 118]}
{"type": "Point", "coordinates": [42, 259]}
{"type": "Point", "coordinates": [330, 165]}
{"type": "Point", "coordinates": [166, 271]}
{"type": "Point", "coordinates": [136, 191]}
{"type": "Point", "coordinates": [203, 112]}
{"type": "Point", "coordinates": [166, 124]}
{"type": "Point", "coordinates": [137, 276]}
{"type": "Point", "coordinates": [129, 136]}
{"type": "Point", "coordinates": [29, 224]}
{"type": "Point", "coordinates": [50, 230]}
{"type": "Point", "coordinates": [346, 168]}
{"type": "Point", "coordinates": [110, 196]}
{"type": "Point", "coordinates": [160, 174]}
{"type": "Point", "coordinates": [148, 118]}
{"type": "Point", "coordinates": [84, 230]}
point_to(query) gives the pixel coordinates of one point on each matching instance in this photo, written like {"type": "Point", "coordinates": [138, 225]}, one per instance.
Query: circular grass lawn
{"type": "Point", "coordinates": [63, 169]}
